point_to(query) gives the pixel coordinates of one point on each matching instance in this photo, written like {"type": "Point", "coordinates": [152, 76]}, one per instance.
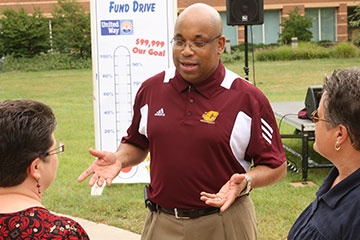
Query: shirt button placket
{"type": "Point", "coordinates": [191, 100]}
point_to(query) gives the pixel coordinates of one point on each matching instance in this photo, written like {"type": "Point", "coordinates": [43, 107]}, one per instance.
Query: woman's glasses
{"type": "Point", "coordinates": [60, 147]}
{"type": "Point", "coordinates": [315, 117]}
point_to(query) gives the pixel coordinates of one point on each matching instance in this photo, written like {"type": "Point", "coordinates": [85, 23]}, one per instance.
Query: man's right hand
{"type": "Point", "coordinates": [105, 168]}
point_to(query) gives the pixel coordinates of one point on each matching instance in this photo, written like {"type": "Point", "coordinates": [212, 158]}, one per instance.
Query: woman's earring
{"type": "Point", "coordinates": [337, 146]}
{"type": "Point", "coordinates": [38, 185]}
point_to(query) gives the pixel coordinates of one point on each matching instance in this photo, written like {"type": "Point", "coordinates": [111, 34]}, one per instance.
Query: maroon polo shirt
{"type": "Point", "coordinates": [199, 136]}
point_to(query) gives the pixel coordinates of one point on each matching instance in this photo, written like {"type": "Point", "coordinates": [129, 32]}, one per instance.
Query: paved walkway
{"type": "Point", "coordinates": [99, 231]}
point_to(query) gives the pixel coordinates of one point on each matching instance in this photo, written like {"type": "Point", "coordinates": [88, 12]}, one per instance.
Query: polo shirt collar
{"type": "Point", "coordinates": [334, 195]}
{"type": "Point", "coordinates": [206, 88]}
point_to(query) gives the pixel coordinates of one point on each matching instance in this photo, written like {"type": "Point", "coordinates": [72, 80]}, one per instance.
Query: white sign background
{"type": "Point", "coordinates": [130, 42]}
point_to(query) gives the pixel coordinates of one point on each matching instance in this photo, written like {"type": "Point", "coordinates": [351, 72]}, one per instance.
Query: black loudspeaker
{"type": "Point", "coordinates": [245, 12]}
{"type": "Point", "coordinates": [312, 99]}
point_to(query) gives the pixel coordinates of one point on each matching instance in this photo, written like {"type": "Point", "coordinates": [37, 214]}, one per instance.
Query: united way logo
{"type": "Point", "coordinates": [126, 27]}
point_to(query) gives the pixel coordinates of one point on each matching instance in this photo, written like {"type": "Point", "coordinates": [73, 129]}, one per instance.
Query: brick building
{"type": "Point", "coordinates": [330, 17]}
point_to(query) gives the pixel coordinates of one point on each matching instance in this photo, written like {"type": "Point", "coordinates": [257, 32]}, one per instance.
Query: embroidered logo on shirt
{"type": "Point", "coordinates": [160, 113]}
{"type": "Point", "coordinates": [209, 117]}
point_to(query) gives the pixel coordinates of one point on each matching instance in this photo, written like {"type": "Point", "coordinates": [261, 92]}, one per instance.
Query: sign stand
{"type": "Point", "coordinates": [127, 48]}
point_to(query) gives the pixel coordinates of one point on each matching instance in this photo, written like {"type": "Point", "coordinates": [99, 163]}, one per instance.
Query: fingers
{"type": "Point", "coordinates": [93, 180]}
{"type": "Point", "coordinates": [100, 181]}
{"type": "Point", "coordinates": [85, 174]}
{"type": "Point", "coordinates": [96, 153]}
{"type": "Point", "coordinates": [212, 199]}
{"type": "Point", "coordinates": [96, 179]}
{"type": "Point", "coordinates": [108, 181]}
{"type": "Point", "coordinates": [226, 205]}
{"type": "Point", "coordinates": [89, 171]}
{"type": "Point", "coordinates": [208, 195]}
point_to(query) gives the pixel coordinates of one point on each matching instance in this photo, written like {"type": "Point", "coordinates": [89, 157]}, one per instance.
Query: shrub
{"type": "Point", "coordinates": [344, 50]}
{"type": "Point", "coordinates": [241, 46]}
{"type": "Point", "coordinates": [23, 35]}
{"type": "Point", "coordinates": [281, 53]}
{"type": "Point", "coordinates": [71, 29]}
{"type": "Point", "coordinates": [305, 50]}
{"type": "Point", "coordinates": [296, 25]}
{"type": "Point", "coordinates": [354, 19]}
{"type": "Point", "coordinates": [356, 39]}
{"type": "Point", "coordinates": [44, 62]}
{"type": "Point", "coordinates": [311, 50]}
{"type": "Point", "coordinates": [236, 55]}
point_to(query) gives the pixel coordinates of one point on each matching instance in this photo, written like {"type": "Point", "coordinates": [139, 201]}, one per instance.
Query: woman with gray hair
{"type": "Point", "coordinates": [335, 213]}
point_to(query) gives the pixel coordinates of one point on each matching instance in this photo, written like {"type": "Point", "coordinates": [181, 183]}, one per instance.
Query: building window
{"type": "Point", "coordinates": [268, 32]}
{"type": "Point", "coordinates": [324, 23]}
{"type": "Point", "coordinates": [230, 32]}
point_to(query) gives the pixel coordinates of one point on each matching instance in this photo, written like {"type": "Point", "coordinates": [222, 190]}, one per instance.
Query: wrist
{"type": "Point", "coordinates": [247, 188]}
{"type": "Point", "coordinates": [119, 157]}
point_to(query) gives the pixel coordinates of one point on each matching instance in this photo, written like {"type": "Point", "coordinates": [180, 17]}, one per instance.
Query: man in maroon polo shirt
{"type": "Point", "coordinates": [204, 127]}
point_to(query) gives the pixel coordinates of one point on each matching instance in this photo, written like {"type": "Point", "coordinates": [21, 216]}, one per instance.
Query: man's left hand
{"type": "Point", "coordinates": [227, 194]}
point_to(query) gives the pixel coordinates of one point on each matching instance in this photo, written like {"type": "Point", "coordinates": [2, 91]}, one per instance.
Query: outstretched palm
{"type": "Point", "coordinates": [227, 194]}
{"type": "Point", "coordinates": [104, 168]}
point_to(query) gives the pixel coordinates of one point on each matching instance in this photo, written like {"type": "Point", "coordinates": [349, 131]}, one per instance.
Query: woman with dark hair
{"type": "Point", "coordinates": [28, 164]}
{"type": "Point", "coordinates": [335, 213]}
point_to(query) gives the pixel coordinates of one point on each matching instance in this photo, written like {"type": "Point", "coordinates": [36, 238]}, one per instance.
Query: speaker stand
{"type": "Point", "coordinates": [246, 68]}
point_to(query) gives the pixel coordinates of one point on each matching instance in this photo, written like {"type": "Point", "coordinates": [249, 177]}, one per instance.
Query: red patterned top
{"type": "Point", "coordinates": [38, 223]}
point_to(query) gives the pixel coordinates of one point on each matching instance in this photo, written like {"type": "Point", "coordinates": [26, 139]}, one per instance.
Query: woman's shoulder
{"type": "Point", "coordinates": [47, 225]}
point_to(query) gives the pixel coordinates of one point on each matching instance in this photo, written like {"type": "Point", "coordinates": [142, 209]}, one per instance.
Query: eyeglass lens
{"type": "Point", "coordinates": [59, 149]}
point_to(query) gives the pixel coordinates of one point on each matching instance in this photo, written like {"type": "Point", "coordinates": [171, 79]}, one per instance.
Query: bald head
{"type": "Point", "coordinates": [198, 35]}
{"type": "Point", "coordinates": [200, 13]}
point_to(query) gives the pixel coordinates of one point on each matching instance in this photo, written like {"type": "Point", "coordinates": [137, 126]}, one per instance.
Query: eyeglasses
{"type": "Point", "coordinates": [194, 45]}
{"type": "Point", "coordinates": [315, 117]}
{"type": "Point", "coordinates": [60, 148]}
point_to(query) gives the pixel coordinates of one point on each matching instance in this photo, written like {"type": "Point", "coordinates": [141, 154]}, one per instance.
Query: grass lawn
{"type": "Point", "coordinates": [69, 93]}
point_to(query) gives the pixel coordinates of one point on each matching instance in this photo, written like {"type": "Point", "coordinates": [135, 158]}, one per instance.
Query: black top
{"type": "Point", "coordinates": [335, 213]}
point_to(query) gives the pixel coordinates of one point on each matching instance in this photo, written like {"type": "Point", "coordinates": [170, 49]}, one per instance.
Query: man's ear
{"type": "Point", "coordinates": [34, 168]}
{"type": "Point", "coordinates": [221, 44]}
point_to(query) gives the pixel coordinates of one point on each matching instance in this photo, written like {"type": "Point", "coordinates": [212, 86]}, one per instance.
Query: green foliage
{"type": "Point", "coordinates": [344, 50]}
{"type": "Point", "coordinates": [354, 19]}
{"type": "Point", "coordinates": [52, 61]}
{"type": "Point", "coordinates": [236, 55]}
{"type": "Point", "coordinates": [23, 35]}
{"type": "Point", "coordinates": [356, 39]}
{"type": "Point", "coordinates": [308, 50]}
{"type": "Point", "coordinates": [296, 26]}
{"type": "Point", "coordinates": [241, 46]}
{"type": "Point", "coordinates": [71, 29]}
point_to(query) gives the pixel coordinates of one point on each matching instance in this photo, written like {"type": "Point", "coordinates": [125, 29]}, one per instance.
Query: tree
{"type": "Point", "coordinates": [296, 25]}
{"type": "Point", "coordinates": [354, 19]}
{"type": "Point", "coordinates": [354, 22]}
{"type": "Point", "coordinates": [23, 35]}
{"type": "Point", "coordinates": [71, 29]}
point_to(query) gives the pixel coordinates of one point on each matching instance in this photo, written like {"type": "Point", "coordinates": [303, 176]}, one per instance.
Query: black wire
{"type": "Point", "coordinates": [252, 54]}
{"type": "Point", "coordinates": [282, 118]}
{"type": "Point", "coordinates": [292, 165]}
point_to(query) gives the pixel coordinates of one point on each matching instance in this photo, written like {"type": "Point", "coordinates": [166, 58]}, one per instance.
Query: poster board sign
{"type": "Point", "coordinates": [130, 43]}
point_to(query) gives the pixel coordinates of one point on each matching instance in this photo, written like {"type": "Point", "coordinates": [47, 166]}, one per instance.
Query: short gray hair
{"type": "Point", "coordinates": [342, 101]}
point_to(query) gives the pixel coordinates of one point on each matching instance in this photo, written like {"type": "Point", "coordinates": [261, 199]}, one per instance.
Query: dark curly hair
{"type": "Point", "coordinates": [342, 101]}
{"type": "Point", "coordinates": [26, 128]}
